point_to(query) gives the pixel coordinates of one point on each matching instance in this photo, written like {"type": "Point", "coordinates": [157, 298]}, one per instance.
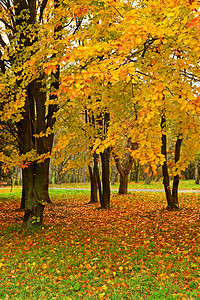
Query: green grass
{"type": "Point", "coordinates": [184, 184]}
{"type": "Point", "coordinates": [133, 251]}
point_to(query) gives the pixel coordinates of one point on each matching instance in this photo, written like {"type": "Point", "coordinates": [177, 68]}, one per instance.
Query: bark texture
{"type": "Point", "coordinates": [105, 160]}
{"type": "Point", "coordinates": [171, 195]}
{"type": "Point", "coordinates": [196, 171]}
{"type": "Point", "coordinates": [125, 167]}
{"type": "Point", "coordinates": [100, 123]}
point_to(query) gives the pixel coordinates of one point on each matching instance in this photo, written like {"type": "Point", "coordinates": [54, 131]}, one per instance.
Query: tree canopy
{"type": "Point", "coordinates": [130, 67]}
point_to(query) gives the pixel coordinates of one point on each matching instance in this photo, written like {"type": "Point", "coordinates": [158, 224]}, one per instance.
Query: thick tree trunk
{"type": "Point", "coordinates": [46, 197]}
{"type": "Point", "coordinates": [36, 175]}
{"type": "Point", "coordinates": [123, 186]}
{"type": "Point", "coordinates": [33, 191]}
{"type": "Point", "coordinates": [105, 160]}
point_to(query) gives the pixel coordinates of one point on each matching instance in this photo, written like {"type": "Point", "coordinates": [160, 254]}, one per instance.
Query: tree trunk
{"type": "Point", "coordinates": [93, 183]}
{"type": "Point", "coordinates": [196, 172]}
{"type": "Point", "coordinates": [46, 197]}
{"type": "Point", "coordinates": [22, 206]}
{"type": "Point", "coordinates": [176, 178]}
{"type": "Point", "coordinates": [114, 174]}
{"type": "Point", "coordinates": [149, 176]}
{"type": "Point", "coordinates": [98, 176]}
{"type": "Point", "coordinates": [105, 160]}
{"type": "Point", "coordinates": [166, 181]}
{"type": "Point", "coordinates": [46, 181]}
{"type": "Point", "coordinates": [123, 186]}
{"type": "Point", "coordinates": [175, 190]}
{"type": "Point", "coordinates": [125, 167]}
{"type": "Point", "coordinates": [83, 175]}
{"type": "Point", "coordinates": [137, 170]}
{"type": "Point", "coordinates": [33, 193]}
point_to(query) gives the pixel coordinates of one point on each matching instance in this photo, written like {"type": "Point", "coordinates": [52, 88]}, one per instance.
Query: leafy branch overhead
{"type": "Point", "coordinates": [131, 68]}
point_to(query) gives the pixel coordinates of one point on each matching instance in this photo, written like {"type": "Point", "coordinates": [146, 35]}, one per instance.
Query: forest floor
{"type": "Point", "coordinates": [135, 250]}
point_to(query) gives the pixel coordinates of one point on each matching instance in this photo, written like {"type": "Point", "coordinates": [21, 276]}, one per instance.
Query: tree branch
{"type": "Point", "coordinates": [8, 25]}
{"type": "Point", "coordinates": [42, 8]}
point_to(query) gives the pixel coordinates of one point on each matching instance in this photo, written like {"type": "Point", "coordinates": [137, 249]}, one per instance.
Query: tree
{"type": "Point", "coordinates": [125, 166]}
{"type": "Point", "coordinates": [153, 48]}
{"type": "Point", "coordinates": [28, 27]}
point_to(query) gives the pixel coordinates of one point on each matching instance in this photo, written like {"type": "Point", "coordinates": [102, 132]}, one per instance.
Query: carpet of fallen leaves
{"type": "Point", "coordinates": [135, 250]}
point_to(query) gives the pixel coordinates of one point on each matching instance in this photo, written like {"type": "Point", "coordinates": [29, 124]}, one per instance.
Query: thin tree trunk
{"type": "Point", "coordinates": [175, 190]}
{"type": "Point", "coordinates": [22, 206]}
{"type": "Point", "coordinates": [114, 174]}
{"type": "Point", "coordinates": [137, 171]}
{"type": "Point", "coordinates": [93, 183]}
{"type": "Point", "coordinates": [149, 176]}
{"type": "Point", "coordinates": [83, 175]}
{"type": "Point", "coordinates": [98, 176]}
{"type": "Point", "coordinates": [123, 186]}
{"type": "Point", "coordinates": [196, 172]}
{"type": "Point", "coordinates": [176, 178]}
{"type": "Point", "coordinates": [125, 168]}
{"type": "Point", "coordinates": [105, 159]}
{"type": "Point", "coordinates": [46, 181]}
{"type": "Point", "coordinates": [166, 181]}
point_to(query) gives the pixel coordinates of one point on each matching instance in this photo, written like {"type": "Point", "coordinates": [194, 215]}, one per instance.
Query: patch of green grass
{"type": "Point", "coordinates": [184, 184]}
{"type": "Point", "coordinates": [63, 192]}
{"type": "Point", "coordinates": [71, 269]}
{"type": "Point", "coordinates": [8, 197]}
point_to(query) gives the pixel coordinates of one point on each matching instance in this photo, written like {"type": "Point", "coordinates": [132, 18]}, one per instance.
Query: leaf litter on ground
{"type": "Point", "coordinates": [135, 250]}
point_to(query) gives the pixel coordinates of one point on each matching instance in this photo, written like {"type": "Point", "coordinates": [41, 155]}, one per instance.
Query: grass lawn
{"type": "Point", "coordinates": [184, 184]}
{"type": "Point", "coordinates": [135, 250]}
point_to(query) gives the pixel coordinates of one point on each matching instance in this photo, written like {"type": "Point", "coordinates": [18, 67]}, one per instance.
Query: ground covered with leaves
{"type": "Point", "coordinates": [135, 250]}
